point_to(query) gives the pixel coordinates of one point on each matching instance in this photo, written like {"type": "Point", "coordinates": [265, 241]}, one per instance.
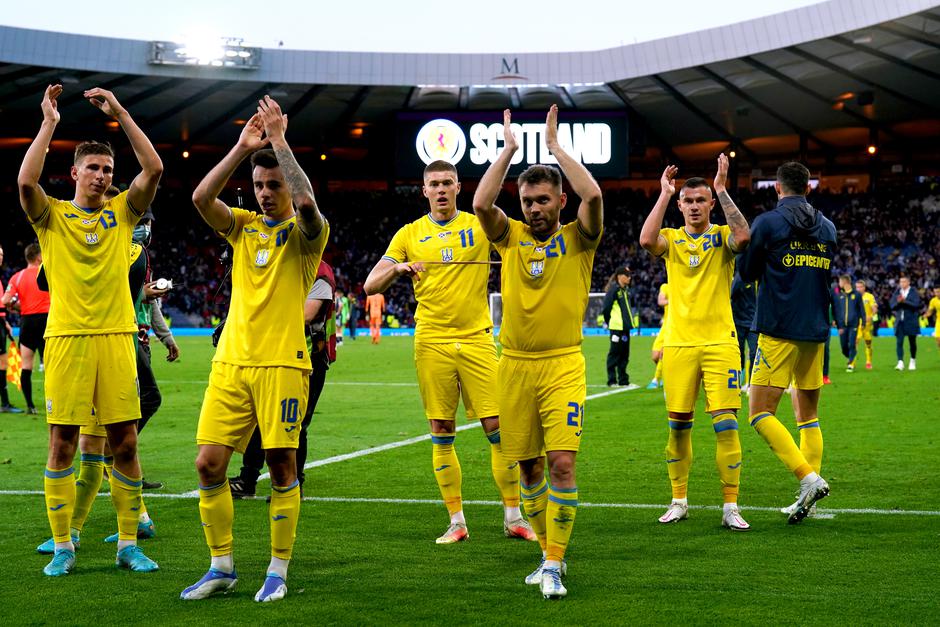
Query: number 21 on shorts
{"type": "Point", "coordinates": [576, 417]}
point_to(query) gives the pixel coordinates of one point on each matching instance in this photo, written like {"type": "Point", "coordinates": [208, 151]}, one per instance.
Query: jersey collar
{"type": "Point", "coordinates": [445, 222]}
{"type": "Point", "coordinates": [85, 209]}
{"type": "Point", "coordinates": [698, 235]}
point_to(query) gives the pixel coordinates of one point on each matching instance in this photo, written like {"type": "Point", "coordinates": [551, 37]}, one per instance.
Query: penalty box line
{"type": "Point", "coordinates": [438, 502]}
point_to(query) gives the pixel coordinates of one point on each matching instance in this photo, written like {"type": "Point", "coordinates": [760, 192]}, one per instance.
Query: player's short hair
{"type": "Point", "coordinates": [535, 174]}
{"type": "Point", "coordinates": [845, 277]}
{"type": "Point", "coordinates": [112, 191]}
{"type": "Point", "coordinates": [32, 252]}
{"type": "Point", "coordinates": [264, 158]}
{"type": "Point", "coordinates": [694, 183]}
{"type": "Point", "coordinates": [793, 178]}
{"type": "Point", "coordinates": [92, 148]}
{"type": "Point", "coordinates": [440, 166]}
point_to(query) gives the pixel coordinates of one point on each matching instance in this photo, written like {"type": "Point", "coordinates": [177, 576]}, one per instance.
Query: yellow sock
{"type": "Point", "coordinates": [125, 495]}
{"type": "Point", "coordinates": [217, 514]}
{"type": "Point", "coordinates": [505, 472]}
{"type": "Point", "coordinates": [447, 470]}
{"type": "Point", "coordinates": [679, 456]}
{"type": "Point", "coordinates": [811, 442]}
{"type": "Point", "coordinates": [284, 511]}
{"type": "Point", "coordinates": [728, 455]}
{"type": "Point", "coordinates": [535, 501]}
{"type": "Point", "coordinates": [86, 488]}
{"type": "Point", "coordinates": [867, 352]}
{"type": "Point", "coordinates": [559, 518]}
{"type": "Point", "coordinates": [659, 370]}
{"type": "Point", "coordinates": [781, 443]}
{"type": "Point", "coordinates": [60, 501]}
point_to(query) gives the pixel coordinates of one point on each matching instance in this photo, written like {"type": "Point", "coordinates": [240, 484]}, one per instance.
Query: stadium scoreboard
{"type": "Point", "coordinates": [472, 140]}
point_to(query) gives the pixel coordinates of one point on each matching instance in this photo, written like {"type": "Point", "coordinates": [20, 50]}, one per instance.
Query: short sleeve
{"type": "Point", "coordinates": [588, 241]}
{"type": "Point", "coordinates": [240, 218]}
{"type": "Point", "coordinates": [666, 234]}
{"type": "Point", "coordinates": [510, 237]}
{"type": "Point", "coordinates": [397, 251]}
{"type": "Point", "coordinates": [725, 231]}
{"type": "Point", "coordinates": [321, 290]}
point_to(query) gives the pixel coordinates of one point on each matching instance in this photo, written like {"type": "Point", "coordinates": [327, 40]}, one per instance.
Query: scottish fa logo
{"type": "Point", "coordinates": [441, 139]}
{"type": "Point", "coordinates": [261, 257]}
{"type": "Point", "coordinates": [447, 254]}
{"type": "Point", "coordinates": [445, 234]}
{"type": "Point", "coordinates": [536, 268]}
{"type": "Point", "coordinates": [91, 238]}
{"type": "Point", "coordinates": [694, 260]}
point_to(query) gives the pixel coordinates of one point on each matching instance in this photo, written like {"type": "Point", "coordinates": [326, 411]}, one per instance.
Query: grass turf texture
{"type": "Point", "coordinates": [369, 562]}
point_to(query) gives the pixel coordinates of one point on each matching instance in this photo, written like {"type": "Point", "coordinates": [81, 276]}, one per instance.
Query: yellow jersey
{"type": "Point", "coordinates": [700, 271]}
{"type": "Point", "coordinates": [273, 269]}
{"type": "Point", "coordinates": [86, 255]}
{"type": "Point", "coordinates": [934, 306]}
{"type": "Point", "coordinates": [452, 299]}
{"type": "Point", "coordinates": [545, 286]}
{"type": "Point", "coordinates": [664, 290]}
{"type": "Point", "coordinates": [868, 301]}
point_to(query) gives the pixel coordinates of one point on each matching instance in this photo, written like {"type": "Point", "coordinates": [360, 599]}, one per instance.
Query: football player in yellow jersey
{"type": "Point", "coordinates": [934, 309]}
{"type": "Point", "coordinates": [657, 355]}
{"type": "Point", "coordinates": [90, 353]}
{"type": "Point", "coordinates": [454, 350]}
{"type": "Point", "coordinates": [867, 332]}
{"type": "Point", "coordinates": [546, 278]}
{"type": "Point", "coordinates": [260, 371]}
{"type": "Point", "coordinates": [700, 343]}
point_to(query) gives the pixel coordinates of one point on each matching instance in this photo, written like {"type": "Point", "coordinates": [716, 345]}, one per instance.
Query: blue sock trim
{"type": "Point", "coordinates": [286, 488]}
{"type": "Point", "coordinates": [212, 487]}
{"type": "Point", "coordinates": [759, 417]}
{"type": "Point", "coordinates": [809, 425]}
{"type": "Point", "coordinates": [91, 457]}
{"type": "Point", "coordinates": [539, 490]}
{"type": "Point", "coordinates": [680, 425]}
{"type": "Point", "coordinates": [570, 502]}
{"type": "Point", "coordinates": [59, 474]}
{"type": "Point", "coordinates": [493, 437]}
{"type": "Point", "coordinates": [125, 479]}
{"type": "Point", "coordinates": [565, 490]}
{"type": "Point", "coordinates": [731, 424]}
{"type": "Point", "coordinates": [443, 439]}
{"type": "Point", "coordinates": [109, 459]}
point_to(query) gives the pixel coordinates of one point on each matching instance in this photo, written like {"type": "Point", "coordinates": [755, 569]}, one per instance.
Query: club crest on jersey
{"type": "Point", "coordinates": [91, 238]}
{"type": "Point", "coordinates": [261, 257]}
{"type": "Point", "coordinates": [694, 261]}
{"type": "Point", "coordinates": [536, 268]}
{"type": "Point", "coordinates": [447, 254]}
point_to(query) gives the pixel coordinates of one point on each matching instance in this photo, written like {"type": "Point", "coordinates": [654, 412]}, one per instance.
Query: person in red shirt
{"type": "Point", "coordinates": [375, 307]}
{"type": "Point", "coordinates": [24, 294]}
{"type": "Point", "coordinates": [5, 333]}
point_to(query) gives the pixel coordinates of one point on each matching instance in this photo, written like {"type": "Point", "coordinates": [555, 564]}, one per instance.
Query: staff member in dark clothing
{"type": "Point", "coordinates": [618, 316]}
{"type": "Point", "coordinates": [906, 304]}
{"type": "Point", "coordinates": [790, 254]}
{"type": "Point", "coordinates": [850, 313]}
{"type": "Point", "coordinates": [743, 307]}
{"type": "Point", "coordinates": [321, 344]}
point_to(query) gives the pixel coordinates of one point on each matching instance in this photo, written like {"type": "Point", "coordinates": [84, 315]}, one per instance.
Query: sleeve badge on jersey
{"type": "Point", "coordinates": [261, 257]}
{"type": "Point", "coordinates": [447, 254]}
{"type": "Point", "coordinates": [694, 261]}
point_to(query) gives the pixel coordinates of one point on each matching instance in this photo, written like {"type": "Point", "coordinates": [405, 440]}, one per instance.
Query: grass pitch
{"type": "Point", "coordinates": [362, 557]}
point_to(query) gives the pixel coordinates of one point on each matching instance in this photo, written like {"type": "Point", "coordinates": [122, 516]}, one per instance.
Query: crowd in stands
{"type": "Point", "coordinates": [881, 236]}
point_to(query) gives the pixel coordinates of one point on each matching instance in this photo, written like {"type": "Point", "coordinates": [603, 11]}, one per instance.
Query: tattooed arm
{"type": "Point", "coordinates": [309, 218]}
{"type": "Point", "coordinates": [740, 232]}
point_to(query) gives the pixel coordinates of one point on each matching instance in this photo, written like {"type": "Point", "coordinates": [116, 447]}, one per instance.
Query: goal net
{"type": "Point", "coordinates": [593, 317]}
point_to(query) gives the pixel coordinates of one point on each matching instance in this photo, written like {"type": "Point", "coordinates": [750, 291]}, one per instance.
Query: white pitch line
{"type": "Point", "coordinates": [644, 506]}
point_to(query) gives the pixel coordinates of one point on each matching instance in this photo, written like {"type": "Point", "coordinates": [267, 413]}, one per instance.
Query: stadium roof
{"type": "Point", "coordinates": [821, 79]}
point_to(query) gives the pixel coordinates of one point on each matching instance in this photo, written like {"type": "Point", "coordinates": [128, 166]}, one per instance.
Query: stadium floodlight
{"type": "Point", "coordinates": [227, 53]}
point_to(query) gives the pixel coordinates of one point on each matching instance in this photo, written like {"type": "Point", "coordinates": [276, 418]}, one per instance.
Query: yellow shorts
{"type": "Point", "coordinates": [94, 427]}
{"type": "Point", "coordinates": [778, 362]}
{"type": "Point", "coordinates": [91, 371]}
{"type": "Point", "coordinates": [717, 366]}
{"type": "Point", "coordinates": [240, 397]}
{"type": "Point", "coordinates": [865, 333]}
{"type": "Point", "coordinates": [658, 342]}
{"type": "Point", "coordinates": [447, 372]}
{"type": "Point", "coordinates": [541, 404]}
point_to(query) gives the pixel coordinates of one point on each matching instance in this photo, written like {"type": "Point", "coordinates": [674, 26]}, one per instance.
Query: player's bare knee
{"type": "Point", "coordinates": [441, 426]}
{"type": "Point", "coordinates": [531, 471]}
{"type": "Point", "coordinates": [561, 468]}
{"type": "Point", "coordinates": [63, 441]}
{"type": "Point", "coordinates": [283, 466]}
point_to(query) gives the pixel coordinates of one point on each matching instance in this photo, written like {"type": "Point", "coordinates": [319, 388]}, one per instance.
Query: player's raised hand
{"type": "Point", "coordinates": [252, 136]}
{"type": "Point", "coordinates": [105, 100]}
{"type": "Point", "coordinates": [512, 145]}
{"type": "Point", "coordinates": [668, 180]}
{"type": "Point", "coordinates": [410, 270]}
{"type": "Point", "coordinates": [275, 122]}
{"type": "Point", "coordinates": [721, 178]}
{"type": "Point", "coordinates": [551, 128]}
{"type": "Point", "coordinates": [50, 104]}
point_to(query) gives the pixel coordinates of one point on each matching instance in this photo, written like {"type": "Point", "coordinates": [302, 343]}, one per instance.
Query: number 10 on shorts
{"type": "Point", "coordinates": [576, 417]}
{"type": "Point", "coordinates": [290, 409]}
